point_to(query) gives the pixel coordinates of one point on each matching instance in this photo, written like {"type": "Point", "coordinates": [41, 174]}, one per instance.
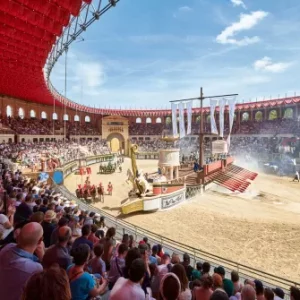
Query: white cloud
{"type": "Point", "coordinates": [246, 22]}
{"type": "Point", "coordinates": [238, 3]}
{"type": "Point", "coordinates": [90, 73]}
{"type": "Point", "coordinates": [266, 64]}
{"type": "Point", "coordinates": [185, 9]}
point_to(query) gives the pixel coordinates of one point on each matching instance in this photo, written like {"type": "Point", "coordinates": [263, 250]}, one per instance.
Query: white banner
{"type": "Point", "coordinates": [174, 119]}
{"type": "Point", "coordinates": [213, 104]}
{"type": "Point", "coordinates": [221, 116]}
{"type": "Point", "coordinates": [181, 120]}
{"type": "Point", "coordinates": [189, 107]}
{"type": "Point", "coordinates": [228, 142]}
{"type": "Point", "coordinates": [231, 104]}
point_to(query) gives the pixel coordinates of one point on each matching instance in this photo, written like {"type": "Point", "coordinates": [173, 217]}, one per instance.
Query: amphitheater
{"type": "Point", "coordinates": [255, 231]}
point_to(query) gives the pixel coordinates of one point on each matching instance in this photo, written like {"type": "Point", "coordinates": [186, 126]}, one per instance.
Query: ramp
{"type": "Point", "coordinates": [234, 178]}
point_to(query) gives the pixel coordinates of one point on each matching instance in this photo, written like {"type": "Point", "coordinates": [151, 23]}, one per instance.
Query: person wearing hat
{"type": "Point", "coordinates": [279, 294]}
{"type": "Point", "coordinates": [48, 226]}
{"type": "Point", "coordinates": [227, 284]}
{"type": "Point", "coordinates": [170, 287]}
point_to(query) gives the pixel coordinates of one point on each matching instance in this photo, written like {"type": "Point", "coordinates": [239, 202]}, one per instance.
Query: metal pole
{"type": "Point", "coordinates": [65, 108]}
{"type": "Point", "coordinates": [201, 134]}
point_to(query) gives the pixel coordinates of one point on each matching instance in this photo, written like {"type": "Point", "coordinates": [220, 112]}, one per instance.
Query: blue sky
{"type": "Point", "coordinates": [142, 54]}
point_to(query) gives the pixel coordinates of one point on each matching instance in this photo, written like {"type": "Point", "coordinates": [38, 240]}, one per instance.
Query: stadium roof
{"type": "Point", "coordinates": [29, 30]}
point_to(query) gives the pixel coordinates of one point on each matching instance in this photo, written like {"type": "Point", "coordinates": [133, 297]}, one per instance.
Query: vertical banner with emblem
{"type": "Point", "coordinates": [189, 106]}
{"type": "Point", "coordinates": [181, 120]}
{"type": "Point", "coordinates": [221, 116]}
{"type": "Point", "coordinates": [174, 119]}
{"type": "Point", "coordinates": [213, 104]}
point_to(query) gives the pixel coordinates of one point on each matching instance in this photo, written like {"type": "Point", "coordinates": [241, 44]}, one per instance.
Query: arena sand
{"type": "Point", "coordinates": [260, 229]}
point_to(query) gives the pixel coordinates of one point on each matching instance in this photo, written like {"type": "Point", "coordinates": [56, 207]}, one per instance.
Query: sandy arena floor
{"type": "Point", "coordinates": [260, 229]}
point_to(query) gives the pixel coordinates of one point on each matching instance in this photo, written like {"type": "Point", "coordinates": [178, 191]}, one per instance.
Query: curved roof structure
{"type": "Point", "coordinates": [31, 32]}
{"type": "Point", "coordinates": [28, 30]}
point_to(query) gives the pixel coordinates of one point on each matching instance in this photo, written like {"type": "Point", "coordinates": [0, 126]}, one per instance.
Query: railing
{"type": "Point", "coordinates": [245, 272]}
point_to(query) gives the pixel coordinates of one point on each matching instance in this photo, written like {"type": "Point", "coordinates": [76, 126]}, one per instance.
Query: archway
{"type": "Point", "coordinates": [21, 113]}
{"type": "Point", "coordinates": [158, 120]}
{"type": "Point", "coordinates": [259, 116]}
{"type": "Point", "coordinates": [87, 119]}
{"type": "Point", "coordinates": [138, 120]}
{"type": "Point", "coordinates": [198, 119]}
{"type": "Point", "coordinates": [76, 118]}
{"type": "Point", "coordinates": [288, 113]}
{"type": "Point", "coordinates": [54, 116]}
{"type": "Point", "coordinates": [273, 115]}
{"type": "Point", "coordinates": [116, 142]}
{"type": "Point", "coordinates": [148, 120]}
{"type": "Point", "coordinates": [66, 117]}
{"type": "Point", "coordinates": [32, 114]}
{"type": "Point", "coordinates": [9, 111]}
{"type": "Point", "coordinates": [168, 120]}
{"type": "Point", "coordinates": [245, 117]}
{"type": "Point", "coordinates": [43, 115]}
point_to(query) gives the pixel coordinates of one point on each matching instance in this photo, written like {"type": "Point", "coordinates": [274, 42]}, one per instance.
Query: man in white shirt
{"type": "Point", "coordinates": [129, 289]}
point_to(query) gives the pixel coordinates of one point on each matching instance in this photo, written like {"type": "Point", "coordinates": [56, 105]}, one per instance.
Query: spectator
{"type": "Point", "coordinates": [85, 231]}
{"type": "Point", "coordinates": [23, 211]}
{"type": "Point", "coordinates": [48, 226]}
{"type": "Point", "coordinates": [129, 289]}
{"type": "Point", "coordinates": [259, 289]}
{"type": "Point", "coordinates": [248, 292]}
{"type": "Point", "coordinates": [61, 223]}
{"type": "Point", "coordinates": [188, 268]}
{"type": "Point", "coordinates": [92, 237]}
{"type": "Point", "coordinates": [145, 239]}
{"type": "Point", "coordinates": [219, 295]}
{"type": "Point", "coordinates": [153, 258]}
{"type": "Point", "coordinates": [59, 253]}
{"type": "Point", "coordinates": [170, 287]}
{"type": "Point", "coordinates": [37, 217]}
{"type": "Point", "coordinates": [108, 246]}
{"type": "Point", "coordinates": [51, 284]}
{"type": "Point", "coordinates": [268, 293]}
{"type": "Point", "coordinates": [132, 254]}
{"type": "Point", "coordinates": [205, 290]}
{"type": "Point", "coordinates": [18, 262]}
{"type": "Point", "coordinates": [117, 265]}
{"type": "Point", "coordinates": [279, 294]}
{"type": "Point", "coordinates": [295, 293]}
{"type": "Point", "coordinates": [162, 270]}
{"type": "Point", "coordinates": [82, 283]}
{"type": "Point", "coordinates": [96, 264]}
{"type": "Point", "coordinates": [227, 284]}
{"type": "Point", "coordinates": [6, 225]}
{"type": "Point", "coordinates": [131, 242]}
{"type": "Point", "coordinates": [236, 282]}
{"type": "Point", "coordinates": [217, 281]}
{"type": "Point", "coordinates": [205, 268]}
{"type": "Point", "coordinates": [197, 273]}
{"type": "Point", "coordinates": [175, 258]}
{"type": "Point", "coordinates": [179, 271]}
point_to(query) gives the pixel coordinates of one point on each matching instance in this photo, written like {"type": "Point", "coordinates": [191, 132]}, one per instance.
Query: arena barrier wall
{"type": "Point", "coordinates": [245, 272]}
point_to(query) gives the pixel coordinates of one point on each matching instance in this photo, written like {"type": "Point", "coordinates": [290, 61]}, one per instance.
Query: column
{"type": "Point", "coordinates": [171, 173]}
{"type": "Point", "coordinates": [177, 172]}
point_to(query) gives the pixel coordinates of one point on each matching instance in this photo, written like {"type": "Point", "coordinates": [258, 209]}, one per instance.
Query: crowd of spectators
{"type": "Point", "coordinates": [87, 128]}
{"type": "Point", "coordinates": [50, 249]}
{"type": "Point", "coordinates": [30, 154]}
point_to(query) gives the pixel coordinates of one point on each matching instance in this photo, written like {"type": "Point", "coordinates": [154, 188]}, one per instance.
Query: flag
{"type": "Point", "coordinates": [181, 120]}
{"type": "Point", "coordinates": [174, 119]}
{"type": "Point", "coordinates": [189, 106]}
{"type": "Point", "coordinates": [228, 142]}
{"type": "Point", "coordinates": [231, 103]}
{"type": "Point", "coordinates": [221, 116]}
{"type": "Point", "coordinates": [213, 104]}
